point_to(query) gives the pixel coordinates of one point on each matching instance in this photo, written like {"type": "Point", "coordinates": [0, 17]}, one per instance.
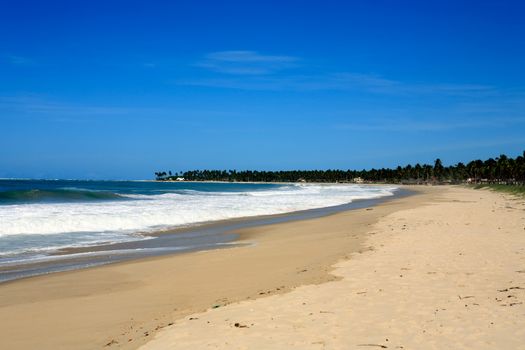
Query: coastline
{"type": "Point", "coordinates": [443, 268]}
{"type": "Point", "coordinates": [447, 274]}
{"type": "Point", "coordinates": [198, 237]}
{"type": "Point", "coordinates": [126, 303]}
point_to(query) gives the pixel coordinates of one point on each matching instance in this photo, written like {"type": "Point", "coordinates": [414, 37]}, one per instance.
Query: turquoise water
{"type": "Point", "coordinates": [49, 191]}
{"type": "Point", "coordinates": [38, 217]}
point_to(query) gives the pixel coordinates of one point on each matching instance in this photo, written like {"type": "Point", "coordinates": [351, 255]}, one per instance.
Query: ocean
{"type": "Point", "coordinates": [40, 217]}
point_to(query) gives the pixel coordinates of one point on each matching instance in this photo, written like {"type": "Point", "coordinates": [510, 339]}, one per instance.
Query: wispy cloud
{"type": "Point", "coordinates": [245, 62]}
{"type": "Point", "coordinates": [39, 105]}
{"type": "Point", "coordinates": [411, 125]}
{"type": "Point", "coordinates": [18, 60]}
{"type": "Point", "coordinates": [251, 70]}
{"type": "Point", "coordinates": [149, 65]}
{"type": "Point", "coordinates": [33, 104]}
{"type": "Point", "coordinates": [62, 111]}
{"type": "Point", "coordinates": [339, 81]}
{"type": "Point", "coordinates": [301, 82]}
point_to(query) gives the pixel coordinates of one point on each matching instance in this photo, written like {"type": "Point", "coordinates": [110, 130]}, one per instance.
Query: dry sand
{"type": "Point", "coordinates": [449, 274]}
{"type": "Point", "coordinates": [123, 305]}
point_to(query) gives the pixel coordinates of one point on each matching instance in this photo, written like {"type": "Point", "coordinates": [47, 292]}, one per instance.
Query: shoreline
{"type": "Point", "coordinates": [189, 239]}
{"type": "Point", "coordinates": [446, 274]}
{"type": "Point", "coordinates": [126, 303]}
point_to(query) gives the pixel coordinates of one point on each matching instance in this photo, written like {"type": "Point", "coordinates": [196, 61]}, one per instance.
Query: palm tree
{"type": "Point", "coordinates": [438, 169]}
{"type": "Point", "coordinates": [502, 169]}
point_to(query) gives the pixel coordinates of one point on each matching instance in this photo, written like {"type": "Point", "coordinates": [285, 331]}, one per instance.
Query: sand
{"type": "Point", "coordinates": [123, 305]}
{"type": "Point", "coordinates": [444, 269]}
{"type": "Point", "coordinates": [449, 274]}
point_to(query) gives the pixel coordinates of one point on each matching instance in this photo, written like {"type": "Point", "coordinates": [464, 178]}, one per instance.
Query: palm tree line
{"type": "Point", "coordinates": [501, 170]}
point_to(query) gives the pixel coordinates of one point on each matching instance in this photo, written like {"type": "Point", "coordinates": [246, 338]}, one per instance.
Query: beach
{"type": "Point", "coordinates": [260, 175]}
{"type": "Point", "coordinates": [444, 268]}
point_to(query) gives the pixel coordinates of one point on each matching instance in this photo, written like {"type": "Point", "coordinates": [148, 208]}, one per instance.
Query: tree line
{"type": "Point", "coordinates": [501, 170]}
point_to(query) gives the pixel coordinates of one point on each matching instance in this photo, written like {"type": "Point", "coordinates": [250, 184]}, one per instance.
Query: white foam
{"type": "Point", "coordinates": [119, 220]}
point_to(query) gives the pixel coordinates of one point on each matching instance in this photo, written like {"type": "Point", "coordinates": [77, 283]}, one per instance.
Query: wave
{"type": "Point", "coordinates": [56, 195]}
{"type": "Point", "coordinates": [48, 219]}
{"type": "Point", "coordinates": [127, 213]}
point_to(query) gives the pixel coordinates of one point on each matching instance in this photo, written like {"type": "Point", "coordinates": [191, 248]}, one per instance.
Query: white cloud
{"type": "Point", "coordinates": [19, 60]}
{"type": "Point", "coordinates": [260, 79]}
{"type": "Point", "coordinates": [245, 62]}
{"type": "Point", "coordinates": [251, 70]}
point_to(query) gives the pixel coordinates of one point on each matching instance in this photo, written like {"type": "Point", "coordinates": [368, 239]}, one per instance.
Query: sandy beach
{"type": "Point", "coordinates": [449, 274]}
{"type": "Point", "coordinates": [262, 175]}
{"type": "Point", "coordinates": [441, 269]}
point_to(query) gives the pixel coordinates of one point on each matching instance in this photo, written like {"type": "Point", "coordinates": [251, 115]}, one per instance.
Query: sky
{"type": "Point", "coordinates": [121, 89]}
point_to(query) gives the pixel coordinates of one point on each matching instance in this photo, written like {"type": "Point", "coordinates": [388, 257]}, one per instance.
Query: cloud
{"type": "Point", "coordinates": [19, 60]}
{"type": "Point", "coordinates": [245, 63]}
{"type": "Point", "coordinates": [60, 111]}
{"type": "Point", "coordinates": [251, 70]}
{"type": "Point", "coordinates": [300, 82]}
{"type": "Point", "coordinates": [410, 125]}
{"type": "Point", "coordinates": [38, 105]}
{"type": "Point", "coordinates": [339, 81]}
{"type": "Point", "coordinates": [247, 56]}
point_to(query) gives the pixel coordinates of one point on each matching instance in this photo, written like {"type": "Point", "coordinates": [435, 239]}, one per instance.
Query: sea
{"type": "Point", "coordinates": [38, 218]}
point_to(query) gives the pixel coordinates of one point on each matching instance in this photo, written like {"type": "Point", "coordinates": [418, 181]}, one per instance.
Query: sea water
{"type": "Point", "coordinates": [38, 217]}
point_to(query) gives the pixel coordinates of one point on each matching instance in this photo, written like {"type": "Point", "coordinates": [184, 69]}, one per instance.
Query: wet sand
{"type": "Point", "coordinates": [204, 236]}
{"type": "Point", "coordinates": [123, 305]}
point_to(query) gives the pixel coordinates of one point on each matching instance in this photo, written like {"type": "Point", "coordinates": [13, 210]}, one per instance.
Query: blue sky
{"type": "Point", "coordinates": [120, 89]}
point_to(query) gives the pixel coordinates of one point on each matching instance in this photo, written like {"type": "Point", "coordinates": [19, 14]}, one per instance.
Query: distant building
{"type": "Point", "coordinates": [358, 180]}
{"type": "Point", "coordinates": [180, 179]}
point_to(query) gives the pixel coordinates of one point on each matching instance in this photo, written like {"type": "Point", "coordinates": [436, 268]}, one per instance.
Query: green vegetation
{"type": "Point", "coordinates": [502, 170]}
{"type": "Point", "coordinates": [512, 189]}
